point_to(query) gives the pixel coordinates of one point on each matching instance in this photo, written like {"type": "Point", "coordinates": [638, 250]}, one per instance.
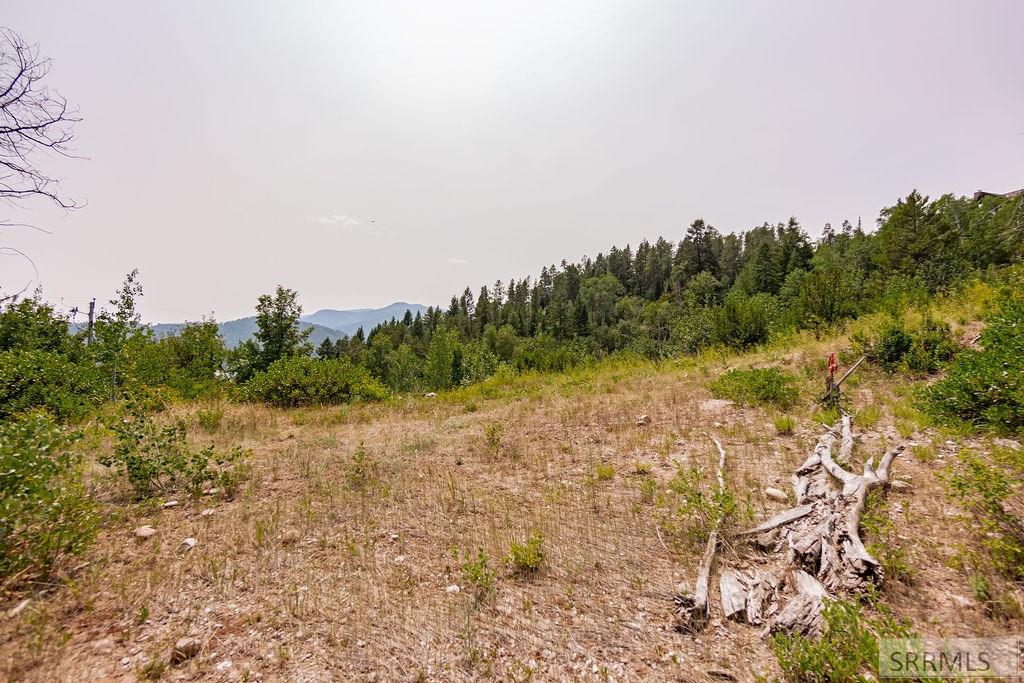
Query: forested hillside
{"type": "Point", "coordinates": [709, 288]}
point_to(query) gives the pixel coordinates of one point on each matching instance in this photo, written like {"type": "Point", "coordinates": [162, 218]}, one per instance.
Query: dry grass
{"type": "Point", "coordinates": [336, 562]}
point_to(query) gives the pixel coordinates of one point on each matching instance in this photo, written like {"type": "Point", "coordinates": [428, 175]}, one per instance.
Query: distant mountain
{"type": "Point", "coordinates": [325, 324]}
{"type": "Point", "coordinates": [367, 318]}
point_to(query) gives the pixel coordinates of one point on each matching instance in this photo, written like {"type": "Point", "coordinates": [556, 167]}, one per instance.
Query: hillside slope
{"type": "Point", "coordinates": [353, 551]}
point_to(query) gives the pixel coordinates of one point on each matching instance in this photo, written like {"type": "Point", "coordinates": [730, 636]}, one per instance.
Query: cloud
{"type": "Point", "coordinates": [342, 219]}
{"type": "Point", "coordinates": [458, 261]}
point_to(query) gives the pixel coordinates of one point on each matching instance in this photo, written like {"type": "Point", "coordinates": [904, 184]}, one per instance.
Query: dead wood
{"type": "Point", "coordinates": [816, 548]}
{"type": "Point", "coordinates": [692, 608]}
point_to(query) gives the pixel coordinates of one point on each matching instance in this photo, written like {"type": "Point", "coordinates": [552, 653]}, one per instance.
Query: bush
{"type": "Point", "coordinates": [45, 512]}
{"type": "Point", "coordinates": [847, 650]}
{"type": "Point", "coordinates": [43, 379]}
{"type": "Point", "coordinates": [986, 388]}
{"type": "Point", "coordinates": [757, 386]}
{"type": "Point", "coordinates": [743, 321]}
{"type": "Point", "coordinates": [304, 381]}
{"type": "Point", "coordinates": [925, 349]}
{"type": "Point", "coordinates": [526, 558]}
{"type": "Point", "coordinates": [476, 573]}
{"type": "Point", "coordinates": [157, 459]}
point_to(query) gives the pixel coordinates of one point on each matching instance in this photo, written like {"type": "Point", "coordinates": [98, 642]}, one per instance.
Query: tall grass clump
{"type": "Point", "coordinates": [757, 386]}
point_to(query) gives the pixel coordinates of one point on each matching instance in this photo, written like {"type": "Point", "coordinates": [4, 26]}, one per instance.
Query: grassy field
{"type": "Point", "coordinates": [529, 528]}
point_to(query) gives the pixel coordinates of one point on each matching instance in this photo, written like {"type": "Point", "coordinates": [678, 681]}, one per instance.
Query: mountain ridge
{"type": "Point", "coordinates": [327, 323]}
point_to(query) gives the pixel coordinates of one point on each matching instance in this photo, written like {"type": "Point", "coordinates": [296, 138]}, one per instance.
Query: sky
{"type": "Point", "coordinates": [371, 152]}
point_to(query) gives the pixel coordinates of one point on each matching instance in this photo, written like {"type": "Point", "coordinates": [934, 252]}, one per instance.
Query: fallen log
{"type": "Point", "coordinates": [692, 608]}
{"type": "Point", "coordinates": [818, 551]}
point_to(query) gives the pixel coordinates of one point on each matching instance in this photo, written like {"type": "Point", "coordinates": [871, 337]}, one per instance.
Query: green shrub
{"type": "Point", "coordinates": [985, 388]}
{"type": "Point", "coordinates": [44, 379]}
{"type": "Point", "coordinates": [210, 418]}
{"type": "Point", "coordinates": [757, 386]}
{"type": "Point", "coordinates": [45, 512]}
{"type": "Point", "coordinates": [847, 651]}
{"type": "Point", "coordinates": [923, 349]}
{"type": "Point", "coordinates": [304, 381]}
{"type": "Point", "coordinates": [983, 488]}
{"type": "Point", "coordinates": [157, 459]}
{"type": "Point", "coordinates": [744, 321]}
{"type": "Point", "coordinates": [526, 558]}
{"type": "Point", "coordinates": [604, 471]}
{"type": "Point", "coordinates": [697, 511]}
{"type": "Point", "coordinates": [476, 572]}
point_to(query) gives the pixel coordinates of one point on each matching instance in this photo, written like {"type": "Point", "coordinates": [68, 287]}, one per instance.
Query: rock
{"type": "Point", "coordinates": [210, 492]}
{"type": "Point", "coordinates": [291, 536]}
{"type": "Point", "coordinates": [768, 540]}
{"type": "Point", "coordinates": [430, 394]}
{"type": "Point", "coordinates": [103, 646]}
{"type": "Point", "coordinates": [961, 601]}
{"type": "Point", "coordinates": [206, 513]}
{"type": "Point", "coordinates": [187, 545]}
{"type": "Point", "coordinates": [185, 648]}
{"type": "Point", "coordinates": [1007, 443]}
{"type": "Point", "coordinates": [452, 589]}
{"type": "Point", "coordinates": [145, 531]}
{"type": "Point", "coordinates": [775, 494]}
{"type": "Point", "coordinates": [171, 504]}
{"type": "Point", "coordinates": [714, 405]}
{"type": "Point", "coordinates": [897, 485]}
{"type": "Point", "coordinates": [19, 608]}
{"type": "Point", "coordinates": [643, 421]}
{"type": "Point", "coordinates": [224, 666]}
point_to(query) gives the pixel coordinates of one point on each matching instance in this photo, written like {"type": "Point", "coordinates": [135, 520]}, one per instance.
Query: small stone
{"type": "Point", "coordinates": [897, 485]}
{"type": "Point", "coordinates": [393, 537]}
{"type": "Point", "coordinates": [643, 421]}
{"type": "Point", "coordinates": [1007, 443]}
{"type": "Point", "coordinates": [187, 545]}
{"type": "Point", "coordinates": [210, 492]}
{"type": "Point", "coordinates": [206, 513]}
{"type": "Point", "coordinates": [430, 394]}
{"type": "Point", "coordinates": [171, 504]}
{"type": "Point", "coordinates": [224, 666]}
{"type": "Point", "coordinates": [291, 536]}
{"type": "Point", "coordinates": [777, 495]}
{"type": "Point", "coordinates": [452, 589]}
{"type": "Point", "coordinates": [399, 559]}
{"type": "Point", "coordinates": [19, 608]}
{"type": "Point", "coordinates": [961, 601]}
{"type": "Point", "coordinates": [185, 648]}
{"type": "Point", "coordinates": [145, 531]}
{"type": "Point", "coordinates": [103, 646]}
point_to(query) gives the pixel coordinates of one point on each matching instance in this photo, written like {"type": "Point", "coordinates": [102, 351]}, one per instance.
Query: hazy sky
{"type": "Point", "coordinates": [364, 153]}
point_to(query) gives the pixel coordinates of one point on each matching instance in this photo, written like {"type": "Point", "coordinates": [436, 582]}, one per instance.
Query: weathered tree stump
{"type": "Point", "coordinates": [818, 552]}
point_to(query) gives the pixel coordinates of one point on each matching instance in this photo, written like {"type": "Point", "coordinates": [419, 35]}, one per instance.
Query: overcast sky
{"type": "Point", "coordinates": [364, 153]}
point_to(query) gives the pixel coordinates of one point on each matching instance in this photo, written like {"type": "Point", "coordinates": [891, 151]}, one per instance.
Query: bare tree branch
{"type": "Point", "coordinates": [34, 121]}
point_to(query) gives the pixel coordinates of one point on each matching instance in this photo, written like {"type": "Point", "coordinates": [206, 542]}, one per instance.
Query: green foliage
{"type": "Point", "coordinates": [45, 511]}
{"type": "Point", "coordinates": [765, 386]}
{"type": "Point", "coordinates": [362, 470]}
{"type": "Point", "coordinates": [442, 369]}
{"type": "Point", "coordinates": [604, 471]}
{"type": "Point", "coordinates": [985, 489]}
{"type": "Point", "coordinates": [847, 651]}
{"type": "Point", "coordinates": [476, 573]}
{"type": "Point", "coordinates": [492, 436]}
{"type": "Point", "coordinates": [922, 349]}
{"type": "Point", "coordinates": [44, 379]}
{"type": "Point", "coordinates": [784, 425]}
{"type": "Point", "coordinates": [697, 511]}
{"type": "Point", "coordinates": [157, 459]}
{"type": "Point", "coordinates": [985, 388]}
{"type": "Point", "coordinates": [120, 335]}
{"type": "Point", "coordinates": [279, 335]}
{"type": "Point", "coordinates": [303, 381]}
{"type": "Point", "coordinates": [527, 557]}
{"type": "Point", "coordinates": [210, 418]}
{"type": "Point", "coordinates": [744, 321]}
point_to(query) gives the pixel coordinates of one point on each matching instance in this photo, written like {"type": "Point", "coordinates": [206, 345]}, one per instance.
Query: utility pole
{"type": "Point", "coordinates": [92, 315]}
